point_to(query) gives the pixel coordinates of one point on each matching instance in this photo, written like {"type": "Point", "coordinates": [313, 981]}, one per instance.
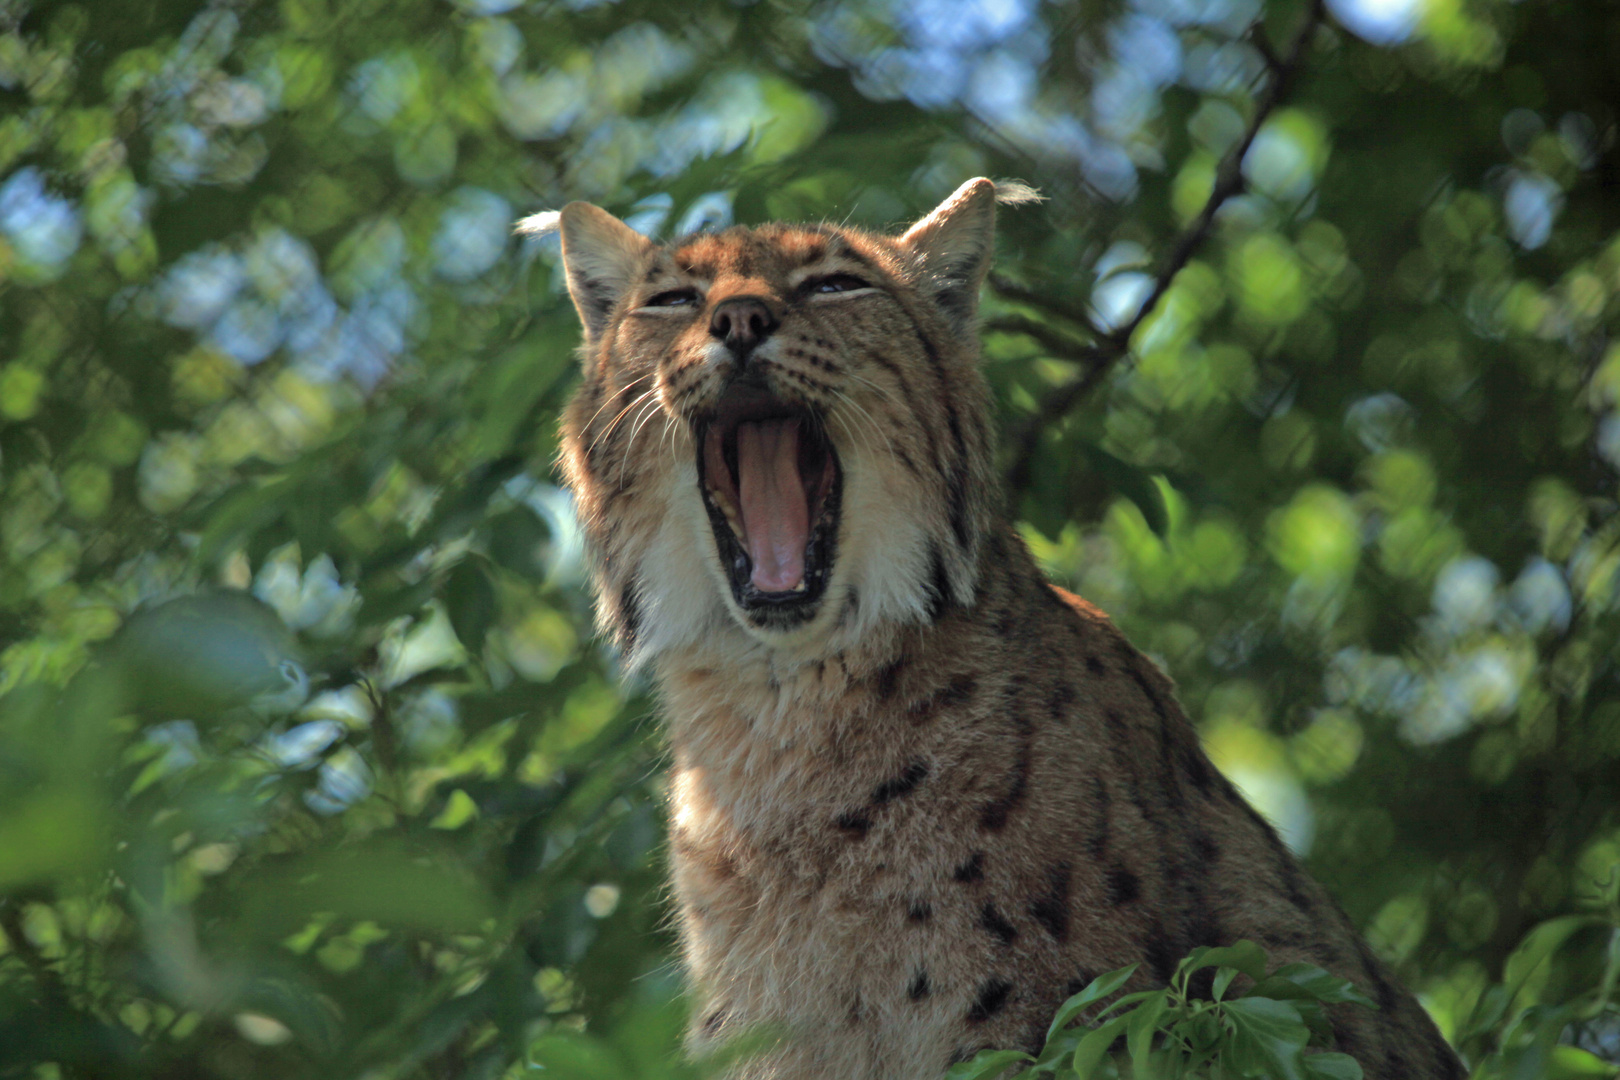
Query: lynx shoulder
{"type": "Point", "coordinates": [918, 795]}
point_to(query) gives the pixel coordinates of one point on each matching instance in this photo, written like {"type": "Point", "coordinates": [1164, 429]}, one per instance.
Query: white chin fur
{"type": "Point", "coordinates": [882, 551]}
{"type": "Point", "coordinates": [677, 575]}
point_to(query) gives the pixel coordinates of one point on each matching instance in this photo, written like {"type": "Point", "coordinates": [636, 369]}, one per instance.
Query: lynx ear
{"type": "Point", "coordinates": [602, 256]}
{"type": "Point", "coordinates": [953, 245]}
{"type": "Point", "coordinates": [952, 248]}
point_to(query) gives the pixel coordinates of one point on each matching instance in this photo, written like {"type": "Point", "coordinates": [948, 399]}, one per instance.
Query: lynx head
{"type": "Point", "coordinates": [782, 431]}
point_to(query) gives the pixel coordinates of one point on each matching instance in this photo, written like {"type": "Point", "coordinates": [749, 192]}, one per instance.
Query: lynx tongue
{"type": "Point", "coordinates": [776, 513]}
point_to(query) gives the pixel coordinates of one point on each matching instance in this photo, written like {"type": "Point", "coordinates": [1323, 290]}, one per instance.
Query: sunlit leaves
{"type": "Point", "coordinates": [1268, 281]}
{"type": "Point", "coordinates": [795, 120]}
{"type": "Point", "coordinates": [1327, 748]}
{"type": "Point", "coordinates": [1287, 155]}
{"type": "Point", "coordinates": [1317, 536]}
{"type": "Point", "coordinates": [20, 389]}
{"type": "Point", "coordinates": [1193, 184]}
{"type": "Point", "coordinates": [1399, 926]}
{"type": "Point", "coordinates": [1205, 556]}
{"type": "Point", "coordinates": [1258, 764]}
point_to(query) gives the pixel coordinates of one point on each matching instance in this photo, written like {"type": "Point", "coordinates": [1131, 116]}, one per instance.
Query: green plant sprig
{"type": "Point", "coordinates": [1261, 1031]}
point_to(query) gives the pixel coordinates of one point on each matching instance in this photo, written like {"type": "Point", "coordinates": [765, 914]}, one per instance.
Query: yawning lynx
{"type": "Point", "coordinates": [918, 795]}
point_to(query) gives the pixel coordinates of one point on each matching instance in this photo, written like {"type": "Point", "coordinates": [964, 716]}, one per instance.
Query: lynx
{"type": "Point", "coordinates": [918, 796]}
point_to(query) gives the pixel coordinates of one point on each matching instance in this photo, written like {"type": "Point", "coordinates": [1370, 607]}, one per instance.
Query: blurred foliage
{"type": "Point", "coordinates": [309, 765]}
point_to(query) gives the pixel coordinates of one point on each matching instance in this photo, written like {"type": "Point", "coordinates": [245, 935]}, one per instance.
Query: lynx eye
{"type": "Point", "coordinates": [838, 283]}
{"type": "Point", "coordinates": [673, 298]}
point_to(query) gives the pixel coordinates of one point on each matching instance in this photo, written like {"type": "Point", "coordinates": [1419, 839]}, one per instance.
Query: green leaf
{"type": "Point", "coordinates": [573, 1056]}
{"type": "Point", "coordinates": [465, 506]}
{"type": "Point", "coordinates": [389, 601]}
{"type": "Point", "coordinates": [196, 656]}
{"type": "Point", "coordinates": [1074, 475]}
{"type": "Point", "coordinates": [1128, 999]}
{"type": "Point", "coordinates": [1094, 1047]}
{"type": "Point", "coordinates": [1267, 1037]}
{"type": "Point", "coordinates": [1245, 956]}
{"type": "Point", "coordinates": [987, 1063]}
{"type": "Point", "coordinates": [1201, 1031]}
{"type": "Point", "coordinates": [517, 540]}
{"type": "Point", "coordinates": [246, 508]}
{"type": "Point", "coordinates": [1332, 1066]}
{"type": "Point", "coordinates": [1296, 981]}
{"type": "Point", "coordinates": [1139, 1032]}
{"type": "Point", "coordinates": [469, 598]}
{"type": "Point", "coordinates": [54, 832]}
{"type": "Point", "coordinates": [1056, 1050]}
{"type": "Point", "coordinates": [1223, 980]}
{"type": "Point", "coordinates": [1488, 1013]}
{"type": "Point", "coordinates": [1136, 484]}
{"type": "Point", "coordinates": [1314, 1013]}
{"type": "Point", "coordinates": [1539, 945]}
{"type": "Point", "coordinates": [459, 809]}
{"type": "Point", "coordinates": [1572, 1063]}
{"type": "Point", "coordinates": [1099, 988]}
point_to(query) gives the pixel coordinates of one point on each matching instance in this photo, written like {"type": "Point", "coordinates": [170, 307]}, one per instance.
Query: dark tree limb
{"type": "Point", "coordinates": [1061, 345]}
{"type": "Point", "coordinates": [1114, 345]}
{"type": "Point", "coordinates": [1075, 313]}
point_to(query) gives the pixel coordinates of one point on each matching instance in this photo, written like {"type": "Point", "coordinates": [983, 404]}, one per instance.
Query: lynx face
{"type": "Point", "coordinates": [781, 430]}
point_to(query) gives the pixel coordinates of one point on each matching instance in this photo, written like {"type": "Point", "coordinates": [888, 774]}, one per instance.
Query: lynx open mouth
{"type": "Point", "coordinates": [771, 482]}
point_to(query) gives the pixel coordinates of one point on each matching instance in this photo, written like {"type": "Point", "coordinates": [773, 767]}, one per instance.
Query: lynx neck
{"type": "Point", "coordinates": [787, 697]}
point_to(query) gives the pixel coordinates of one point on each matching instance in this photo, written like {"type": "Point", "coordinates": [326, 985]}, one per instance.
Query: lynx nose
{"type": "Point", "coordinates": [742, 323]}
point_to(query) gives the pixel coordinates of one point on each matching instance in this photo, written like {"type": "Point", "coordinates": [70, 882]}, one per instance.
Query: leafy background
{"type": "Point", "coordinates": [309, 763]}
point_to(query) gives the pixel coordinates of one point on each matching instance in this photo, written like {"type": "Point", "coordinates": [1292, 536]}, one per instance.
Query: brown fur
{"type": "Point", "coordinates": [906, 829]}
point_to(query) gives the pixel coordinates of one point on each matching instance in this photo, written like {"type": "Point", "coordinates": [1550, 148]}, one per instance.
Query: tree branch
{"type": "Point", "coordinates": [1064, 310]}
{"type": "Point", "coordinates": [1059, 344]}
{"type": "Point", "coordinates": [1112, 346]}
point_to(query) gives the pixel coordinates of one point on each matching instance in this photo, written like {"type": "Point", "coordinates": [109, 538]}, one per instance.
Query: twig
{"type": "Point", "coordinates": [1058, 344]}
{"type": "Point", "coordinates": [1229, 177]}
{"type": "Point", "coordinates": [383, 736]}
{"type": "Point", "coordinates": [1114, 345]}
{"type": "Point", "coordinates": [1073, 313]}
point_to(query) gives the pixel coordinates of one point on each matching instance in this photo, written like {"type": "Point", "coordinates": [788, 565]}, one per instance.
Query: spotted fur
{"type": "Point", "coordinates": [907, 826]}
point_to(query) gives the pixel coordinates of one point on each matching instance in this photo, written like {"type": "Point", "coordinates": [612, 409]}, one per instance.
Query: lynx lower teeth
{"type": "Point", "coordinates": [728, 510]}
